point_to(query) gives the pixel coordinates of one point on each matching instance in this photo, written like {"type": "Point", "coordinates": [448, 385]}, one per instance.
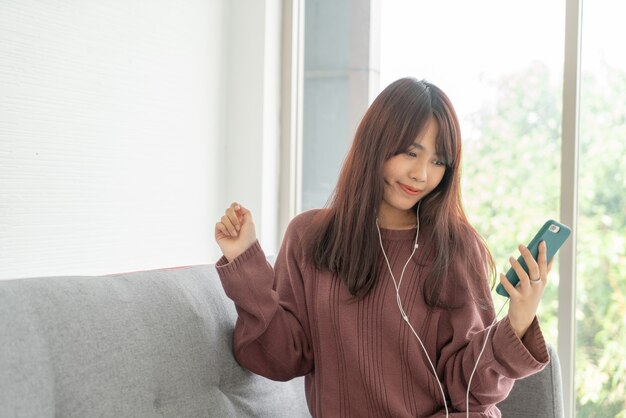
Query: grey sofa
{"type": "Point", "coordinates": [153, 344]}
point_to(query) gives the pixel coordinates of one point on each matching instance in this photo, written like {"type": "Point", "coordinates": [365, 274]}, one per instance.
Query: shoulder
{"type": "Point", "coordinates": [301, 222]}
{"type": "Point", "coordinates": [471, 267]}
{"type": "Point", "coordinates": [298, 238]}
{"type": "Point", "coordinates": [307, 216]}
{"type": "Point", "coordinates": [471, 242]}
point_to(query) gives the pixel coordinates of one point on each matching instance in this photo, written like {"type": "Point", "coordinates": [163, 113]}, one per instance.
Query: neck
{"type": "Point", "coordinates": [398, 219]}
{"type": "Point", "coordinates": [396, 224]}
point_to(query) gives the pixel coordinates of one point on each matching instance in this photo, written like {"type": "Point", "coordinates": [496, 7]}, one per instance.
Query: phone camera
{"type": "Point", "coordinates": [554, 228]}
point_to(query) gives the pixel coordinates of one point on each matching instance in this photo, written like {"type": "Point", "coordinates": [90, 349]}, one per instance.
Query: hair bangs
{"type": "Point", "coordinates": [446, 144]}
{"type": "Point", "coordinates": [411, 120]}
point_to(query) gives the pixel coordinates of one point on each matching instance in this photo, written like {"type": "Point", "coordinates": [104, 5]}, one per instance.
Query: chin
{"type": "Point", "coordinates": [406, 206]}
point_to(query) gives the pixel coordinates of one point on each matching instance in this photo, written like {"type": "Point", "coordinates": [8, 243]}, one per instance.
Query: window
{"type": "Point", "coordinates": [538, 144]}
{"type": "Point", "coordinates": [505, 82]}
{"type": "Point", "coordinates": [600, 371]}
{"type": "Point", "coordinates": [502, 65]}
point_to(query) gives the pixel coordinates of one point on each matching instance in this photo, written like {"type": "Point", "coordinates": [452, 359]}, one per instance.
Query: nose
{"type": "Point", "coordinates": [418, 171]}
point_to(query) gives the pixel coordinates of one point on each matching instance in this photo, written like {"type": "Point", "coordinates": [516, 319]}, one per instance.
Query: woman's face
{"type": "Point", "coordinates": [409, 177]}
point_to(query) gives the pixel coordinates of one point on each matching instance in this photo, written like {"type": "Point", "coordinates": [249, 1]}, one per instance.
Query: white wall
{"type": "Point", "coordinates": [252, 125]}
{"type": "Point", "coordinates": [116, 132]}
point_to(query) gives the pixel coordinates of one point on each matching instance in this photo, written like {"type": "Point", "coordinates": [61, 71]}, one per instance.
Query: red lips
{"type": "Point", "coordinates": [409, 190]}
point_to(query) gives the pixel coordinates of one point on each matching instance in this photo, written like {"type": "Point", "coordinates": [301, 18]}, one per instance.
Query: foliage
{"type": "Point", "coordinates": [512, 175]}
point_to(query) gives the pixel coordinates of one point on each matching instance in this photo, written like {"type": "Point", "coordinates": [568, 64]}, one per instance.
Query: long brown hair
{"type": "Point", "coordinates": [344, 239]}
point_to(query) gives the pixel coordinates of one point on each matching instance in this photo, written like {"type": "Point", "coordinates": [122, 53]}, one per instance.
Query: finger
{"type": "Point", "coordinates": [236, 207]}
{"type": "Point", "coordinates": [524, 282]}
{"type": "Point", "coordinates": [232, 214]}
{"type": "Point", "coordinates": [228, 224]}
{"type": "Point", "coordinates": [220, 228]}
{"type": "Point", "coordinates": [245, 214]}
{"type": "Point", "coordinates": [541, 260]}
{"type": "Point", "coordinates": [241, 210]}
{"type": "Point", "coordinates": [510, 289]}
{"type": "Point", "coordinates": [239, 213]}
{"type": "Point", "coordinates": [531, 263]}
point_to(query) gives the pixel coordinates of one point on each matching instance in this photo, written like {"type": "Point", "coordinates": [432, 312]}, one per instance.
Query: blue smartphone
{"type": "Point", "coordinates": [554, 234]}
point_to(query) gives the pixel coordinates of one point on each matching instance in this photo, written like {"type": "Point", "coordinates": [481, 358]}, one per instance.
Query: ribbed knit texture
{"type": "Point", "coordinates": [359, 357]}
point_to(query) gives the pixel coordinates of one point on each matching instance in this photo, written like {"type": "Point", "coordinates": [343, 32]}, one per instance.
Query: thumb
{"type": "Point", "coordinates": [245, 213]}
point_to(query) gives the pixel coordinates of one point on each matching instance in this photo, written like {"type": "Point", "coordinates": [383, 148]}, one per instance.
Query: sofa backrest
{"type": "Point", "coordinates": [144, 344]}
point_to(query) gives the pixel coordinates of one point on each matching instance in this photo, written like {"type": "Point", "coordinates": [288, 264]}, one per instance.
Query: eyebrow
{"type": "Point", "coordinates": [421, 147]}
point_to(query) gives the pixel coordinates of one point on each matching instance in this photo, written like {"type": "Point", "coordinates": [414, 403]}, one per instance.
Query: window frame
{"type": "Point", "coordinates": [566, 314]}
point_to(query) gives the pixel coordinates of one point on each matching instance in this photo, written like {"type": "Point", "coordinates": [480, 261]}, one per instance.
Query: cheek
{"type": "Point", "coordinates": [386, 174]}
{"type": "Point", "coordinates": [437, 177]}
{"type": "Point", "coordinates": [389, 170]}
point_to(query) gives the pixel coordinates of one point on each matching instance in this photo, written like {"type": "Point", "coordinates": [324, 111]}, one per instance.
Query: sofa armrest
{"type": "Point", "coordinates": [539, 395]}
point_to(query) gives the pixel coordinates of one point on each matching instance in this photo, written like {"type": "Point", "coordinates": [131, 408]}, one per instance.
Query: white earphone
{"type": "Point", "coordinates": [406, 318]}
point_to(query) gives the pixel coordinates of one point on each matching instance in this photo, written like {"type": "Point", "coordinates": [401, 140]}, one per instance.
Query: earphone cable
{"type": "Point", "coordinates": [405, 317]}
{"type": "Point", "coordinates": [469, 382]}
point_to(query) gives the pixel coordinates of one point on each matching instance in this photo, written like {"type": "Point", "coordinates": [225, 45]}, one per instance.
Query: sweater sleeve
{"type": "Point", "coordinates": [271, 336]}
{"type": "Point", "coordinates": [505, 358]}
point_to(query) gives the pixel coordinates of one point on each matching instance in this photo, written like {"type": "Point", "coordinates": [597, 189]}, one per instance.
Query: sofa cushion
{"type": "Point", "coordinates": [144, 344]}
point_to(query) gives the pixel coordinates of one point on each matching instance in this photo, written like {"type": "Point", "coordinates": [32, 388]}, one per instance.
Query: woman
{"type": "Point", "coordinates": [382, 298]}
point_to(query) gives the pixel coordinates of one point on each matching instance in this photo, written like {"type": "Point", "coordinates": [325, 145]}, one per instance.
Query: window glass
{"type": "Point", "coordinates": [601, 249]}
{"type": "Point", "coordinates": [501, 64]}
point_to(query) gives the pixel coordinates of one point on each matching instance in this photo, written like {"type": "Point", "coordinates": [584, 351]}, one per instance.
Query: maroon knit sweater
{"type": "Point", "coordinates": [359, 357]}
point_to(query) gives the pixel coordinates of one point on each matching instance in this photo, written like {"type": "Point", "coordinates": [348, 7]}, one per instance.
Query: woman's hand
{"type": "Point", "coordinates": [235, 232]}
{"type": "Point", "coordinates": [525, 297]}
